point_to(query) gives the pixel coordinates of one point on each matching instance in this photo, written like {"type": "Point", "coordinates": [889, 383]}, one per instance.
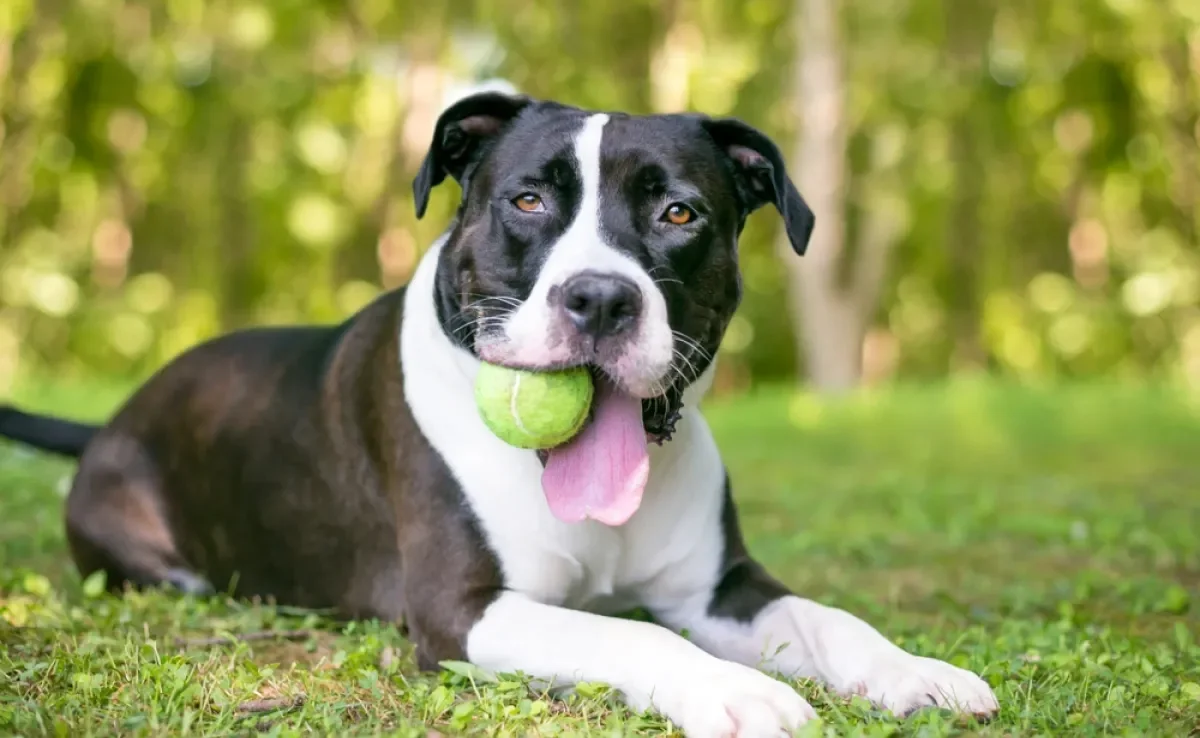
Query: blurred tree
{"type": "Point", "coordinates": [1000, 186]}
{"type": "Point", "coordinates": [832, 295]}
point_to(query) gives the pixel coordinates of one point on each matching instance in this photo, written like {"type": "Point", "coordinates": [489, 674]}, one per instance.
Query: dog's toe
{"type": "Point", "coordinates": [189, 583]}
{"type": "Point", "coordinates": [735, 701]}
{"type": "Point", "coordinates": [910, 683]}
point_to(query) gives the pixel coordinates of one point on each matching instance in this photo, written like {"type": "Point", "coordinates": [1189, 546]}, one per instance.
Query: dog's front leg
{"type": "Point", "coordinates": [648, 664]}
{"type": "Point", "coordinates": [751, 619]}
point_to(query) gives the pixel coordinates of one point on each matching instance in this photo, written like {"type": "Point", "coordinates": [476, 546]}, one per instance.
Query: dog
{"type": "Point", "coordinates": [346, 467]}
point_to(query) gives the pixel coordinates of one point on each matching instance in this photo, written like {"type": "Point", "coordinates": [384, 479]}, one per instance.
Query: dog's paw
{"type": "Point", "coordinates": [904, 683]}
{"type": "Point", "coordinates": [728, 700]}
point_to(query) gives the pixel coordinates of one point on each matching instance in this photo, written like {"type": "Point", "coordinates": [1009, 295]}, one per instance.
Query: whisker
{"type": "Point", "coordinates": [478, 323]}
{"type": "Point", "coordinates": [489, 297]}
{"type": "Point", "coordinates": [500, 299]}
{"type": "Point", "coordinates": [697, 352]}
{"type": "Point", "coordinates": [693, 345]}
{"type": "Point", "coordinates": [677, 354]}
{"type": "Point", "coordinates": [662, 280]}
{"type": "Point", "coordinates": [660, 396]}
{"type": "Point", "coordinates": [484, 322]}
{"type": "Point", "coordinates": [680, 374]}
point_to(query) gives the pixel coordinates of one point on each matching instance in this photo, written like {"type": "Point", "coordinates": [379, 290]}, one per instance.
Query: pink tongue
{"type": "Point", "coordinates": [601, 473]}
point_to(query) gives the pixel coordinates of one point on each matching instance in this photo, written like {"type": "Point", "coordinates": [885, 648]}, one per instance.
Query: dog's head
{"type": "Point", "coordinates": [600, 240]}
{"type": "Point", "coordinates": [605, 240]}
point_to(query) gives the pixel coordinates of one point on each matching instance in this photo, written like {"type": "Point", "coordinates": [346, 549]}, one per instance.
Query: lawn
{"type": "Point", "coordinates": [1048, 538]}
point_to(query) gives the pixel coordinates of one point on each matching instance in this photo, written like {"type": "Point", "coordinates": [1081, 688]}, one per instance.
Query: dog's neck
{"type": "Point", "coordinates": [428, 310]}
{"type": "Point", "coordinates": [447, 303]}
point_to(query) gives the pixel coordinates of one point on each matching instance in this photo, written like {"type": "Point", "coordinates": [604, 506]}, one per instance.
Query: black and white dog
{"type": "Point", "coordinates": [348, 467]}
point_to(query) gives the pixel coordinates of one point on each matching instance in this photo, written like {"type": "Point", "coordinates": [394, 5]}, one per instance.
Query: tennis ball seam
{"type": "Point", "coordinates": [512, 405]}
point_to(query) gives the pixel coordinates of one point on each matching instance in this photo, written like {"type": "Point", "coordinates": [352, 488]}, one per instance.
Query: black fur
{"type": "Point", "coordinates": [723, 170]}
{"type": "Point", "coordinates": [62, 437]}
{"type": "Point", "coordinates": [745, 586]}
{"type": "Point", "coordinates": [285, 463]}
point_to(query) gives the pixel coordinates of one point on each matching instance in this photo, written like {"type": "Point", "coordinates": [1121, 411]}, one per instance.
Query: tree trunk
{"type": "Point", "coordinates": [241, 287]}
{"type": "Point", "coordinates": [967, 30]}
{"type": "Point", "coordinates": [670, 62]}
{"type": "Point", "coordinates": [827, 316]}
{"type": "Point", "coordinates": [1184, 126]}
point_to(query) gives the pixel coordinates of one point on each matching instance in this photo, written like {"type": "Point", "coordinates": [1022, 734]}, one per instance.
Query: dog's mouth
{"type": "Point", "coordinates": [601, 473]}
{"type": "Point", "coordinates": [660, 414]}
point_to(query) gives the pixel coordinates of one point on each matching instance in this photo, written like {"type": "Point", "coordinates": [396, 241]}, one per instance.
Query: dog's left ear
{"type": "Point", "coordinates": [762, 177]}
{"type": "Point", "coordinates": [458, 138]}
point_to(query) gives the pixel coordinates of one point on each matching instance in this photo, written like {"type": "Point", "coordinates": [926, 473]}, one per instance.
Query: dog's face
{"type": "Point", "coordinates": [604, 240]}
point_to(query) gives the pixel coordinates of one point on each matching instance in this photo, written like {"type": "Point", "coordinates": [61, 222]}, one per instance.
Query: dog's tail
{"type": "Point", "coordinates": [63, 437]}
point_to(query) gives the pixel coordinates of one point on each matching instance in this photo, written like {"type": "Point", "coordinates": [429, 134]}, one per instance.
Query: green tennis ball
{"type": "Point", "coordinates": [533, 410]}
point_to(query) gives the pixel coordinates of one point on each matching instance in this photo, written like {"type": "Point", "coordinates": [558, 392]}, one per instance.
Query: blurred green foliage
{"type": "Point", "coordinates": [170, 170]}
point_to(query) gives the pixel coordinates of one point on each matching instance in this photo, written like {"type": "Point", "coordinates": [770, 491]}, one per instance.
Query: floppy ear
{"type": "Point", "coordinates": [458, 137]}
{"type": "Point", "coordinates": [761, 177]}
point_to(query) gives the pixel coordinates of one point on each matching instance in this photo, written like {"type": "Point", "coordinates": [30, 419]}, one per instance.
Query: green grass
{"type": "Point", "coordinates": [1046, 538]}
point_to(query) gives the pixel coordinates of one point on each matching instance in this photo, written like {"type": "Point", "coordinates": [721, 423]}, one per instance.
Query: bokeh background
{"type": "Point", "coordinates": [1004, 187]}
{"type": "Point", "coordinates": [1005, 270]}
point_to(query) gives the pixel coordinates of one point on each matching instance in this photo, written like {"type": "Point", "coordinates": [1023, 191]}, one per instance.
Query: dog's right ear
{"type": "Point", "coordinates": [458, 137]}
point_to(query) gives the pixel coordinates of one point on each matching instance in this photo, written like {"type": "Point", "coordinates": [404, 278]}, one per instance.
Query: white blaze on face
{"type": "Point", "coordinates": [532, 336]}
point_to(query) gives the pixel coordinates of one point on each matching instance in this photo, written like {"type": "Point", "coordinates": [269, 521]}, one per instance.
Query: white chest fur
{"type": "Point", "coordinates": [669, 549]}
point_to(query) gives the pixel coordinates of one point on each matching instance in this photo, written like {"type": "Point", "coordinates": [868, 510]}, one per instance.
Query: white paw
{"type": "Point", "coordinates": [728, 700]}
{"type": "Point", "coordinates": [904, 683]}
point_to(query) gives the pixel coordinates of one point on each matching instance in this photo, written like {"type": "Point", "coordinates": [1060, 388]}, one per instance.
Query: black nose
{"type": "Point", "coordinates": [601, 305]}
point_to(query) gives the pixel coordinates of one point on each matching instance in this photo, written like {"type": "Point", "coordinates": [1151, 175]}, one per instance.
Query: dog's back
{"type": "Point", "coordinates": [217, 472]}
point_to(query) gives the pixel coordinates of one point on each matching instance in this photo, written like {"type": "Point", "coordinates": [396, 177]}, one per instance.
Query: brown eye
{"type": "Point", "coordinates": [679, 214]}
{"type": "Point", "coordinates": [529, 202]}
